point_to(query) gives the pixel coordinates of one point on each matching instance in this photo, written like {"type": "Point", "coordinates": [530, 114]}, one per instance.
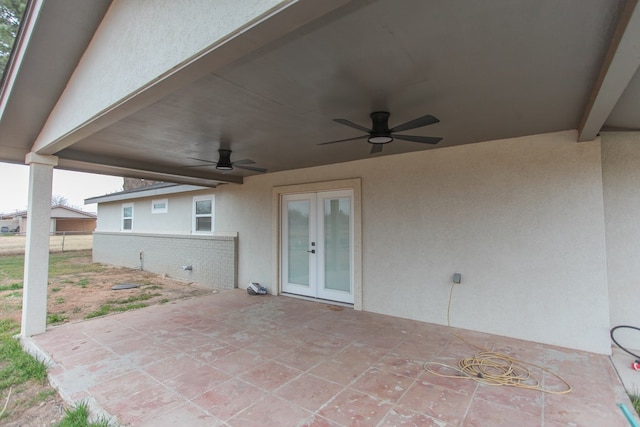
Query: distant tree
{"type": "Point", "coordinates": [133, 183]}
{"type": "Point", "coordinates": [59, 201]}
{"type": "Point", "coordinates": [11, 12]}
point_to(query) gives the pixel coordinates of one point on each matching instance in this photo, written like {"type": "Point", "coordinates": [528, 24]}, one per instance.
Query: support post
{"type": "Point", "coordinates": [36, 261]}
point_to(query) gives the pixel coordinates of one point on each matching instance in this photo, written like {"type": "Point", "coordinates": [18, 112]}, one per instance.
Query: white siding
{"type": "Point", "coordinates": [177, 220]}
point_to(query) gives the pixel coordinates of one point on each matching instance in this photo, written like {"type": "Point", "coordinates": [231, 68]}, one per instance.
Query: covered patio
{"type": "Point", "coordinates": [231, 359]}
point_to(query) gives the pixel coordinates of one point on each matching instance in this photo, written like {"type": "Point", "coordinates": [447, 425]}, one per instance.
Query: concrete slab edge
{"type": "Point", "coordinates": [96, 411]}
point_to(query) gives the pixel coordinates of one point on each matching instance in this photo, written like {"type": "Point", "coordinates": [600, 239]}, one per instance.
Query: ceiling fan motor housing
{"type": "Point", "coordinates": [224, 162]}
{"type": "Point", "coordinates": [380, 133]}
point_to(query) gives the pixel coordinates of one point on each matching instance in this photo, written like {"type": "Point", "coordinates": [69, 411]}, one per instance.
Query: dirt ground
{"type": "Point", "coordinates": [73, 297]}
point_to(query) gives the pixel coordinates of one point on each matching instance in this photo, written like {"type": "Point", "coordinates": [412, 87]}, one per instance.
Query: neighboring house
{"type": "Point", "coordinates": [64, 219]}
{"type": "Point", "coordinates": [167, 229]}
{"type": "Point", "coordinates": [11, 223]}
{"type": "Point", "coordinates": [531, 194]}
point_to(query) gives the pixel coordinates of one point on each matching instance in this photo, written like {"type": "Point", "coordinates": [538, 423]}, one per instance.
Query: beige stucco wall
{"type": "Point", "coordinates": [621, 180]}
{"type": "Point", "coordinates": [521, 219]}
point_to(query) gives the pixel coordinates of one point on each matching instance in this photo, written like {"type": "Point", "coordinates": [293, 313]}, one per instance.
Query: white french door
{"type": "Point", "coordinates": [317, 245]}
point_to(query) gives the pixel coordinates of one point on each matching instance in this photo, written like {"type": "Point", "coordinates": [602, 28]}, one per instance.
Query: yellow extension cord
{"type": "Point", "coordinates": [495, 369]}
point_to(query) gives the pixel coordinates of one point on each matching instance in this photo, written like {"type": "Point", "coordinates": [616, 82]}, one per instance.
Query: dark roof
{"type": "Point", "coordinates": [139, 189]}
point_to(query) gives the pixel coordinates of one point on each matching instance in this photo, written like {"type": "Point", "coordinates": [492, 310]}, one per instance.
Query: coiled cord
{"type": "Point", "coordinates": [497, 369]}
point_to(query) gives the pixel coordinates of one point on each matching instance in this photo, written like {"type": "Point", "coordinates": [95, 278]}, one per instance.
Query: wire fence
{"type": "Point", "coordinates": [63, 242]}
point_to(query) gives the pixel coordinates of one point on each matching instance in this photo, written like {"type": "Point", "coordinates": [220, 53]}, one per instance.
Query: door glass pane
{"type": "Point", "coordinates": [337, 244]}
{"type": "Point", "coordinates": [298, 241]}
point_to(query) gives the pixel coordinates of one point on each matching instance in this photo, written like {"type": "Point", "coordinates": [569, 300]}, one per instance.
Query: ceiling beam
{"type": "Point", "coordinates": [76, 166]}
{"type": "Point", "coordinates": [620, 64]}
{"type": "Point", "coordinates": [75, 160]}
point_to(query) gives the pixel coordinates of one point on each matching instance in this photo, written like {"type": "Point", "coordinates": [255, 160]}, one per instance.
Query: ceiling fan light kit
{"type": "Point", "coordinates": [379, 139]}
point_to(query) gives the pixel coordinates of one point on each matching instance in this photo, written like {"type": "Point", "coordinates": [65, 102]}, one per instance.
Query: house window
{"type": "Point", "coordinates": [203, 208]}
{"type": "Point", "coordinates": [127, 216]}
{"type": "Point", "coordinates": [159, 206]}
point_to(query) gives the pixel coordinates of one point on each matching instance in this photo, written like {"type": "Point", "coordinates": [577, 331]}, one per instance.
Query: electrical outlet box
{"type": "Point", "coordinates": [457, 278]}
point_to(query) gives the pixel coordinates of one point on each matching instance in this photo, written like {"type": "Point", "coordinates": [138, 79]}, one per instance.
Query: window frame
{"type": "Point", "coordinates": [195, 216]}
{"type": "Point", "coordinates": [123, 217]}
{"type": "Point", "coordinates": [163, 210]}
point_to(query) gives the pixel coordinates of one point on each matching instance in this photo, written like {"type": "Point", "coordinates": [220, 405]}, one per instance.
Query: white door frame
{"type": "Point", "coordinates": [353, 184]}
{"type": "Point", "coordinates": [312, 249]}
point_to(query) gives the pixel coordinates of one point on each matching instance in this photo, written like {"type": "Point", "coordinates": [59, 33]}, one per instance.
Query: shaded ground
{"type": "Point", "coordinates": [78, 289]}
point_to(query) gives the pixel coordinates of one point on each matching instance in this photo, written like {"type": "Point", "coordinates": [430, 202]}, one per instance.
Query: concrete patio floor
{"type": "Point", "coordinates": [230, 359]}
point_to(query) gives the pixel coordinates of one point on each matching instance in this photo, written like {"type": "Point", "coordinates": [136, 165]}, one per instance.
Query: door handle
{"type": "Point", "coordinates": [312, 251]}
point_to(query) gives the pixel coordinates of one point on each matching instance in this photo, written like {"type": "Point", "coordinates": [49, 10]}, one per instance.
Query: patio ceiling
{"type": "Point", "coordinates": [486, 70]}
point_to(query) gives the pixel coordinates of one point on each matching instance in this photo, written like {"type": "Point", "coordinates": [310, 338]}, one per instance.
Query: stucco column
{"type": "Point", "coordinates": [36, 261]}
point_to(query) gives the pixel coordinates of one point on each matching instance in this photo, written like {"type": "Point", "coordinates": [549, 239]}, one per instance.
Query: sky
{"type": "Point", "coordinates": [74, 186]}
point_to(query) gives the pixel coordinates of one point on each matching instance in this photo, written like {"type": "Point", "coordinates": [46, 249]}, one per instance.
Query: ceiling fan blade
{"type": "Point", "coordinates": [251, 168]}
{"type": "Point", "coordinates": [416, 123]}
{"type": "Point", "coordinates": [344, 140]}
{"type": "Point", "coordinates": [244, 162]}
{"type": "Point", "coordinates": [352, 125]}
{"type": "Point", "coordinates": [198, 166]}
{"type": "Point", "coordinates": [423, 139]}
{"type": "Point", "coordinates": [203, 160]}
{"type": "Point", "coordinates": [377, 148]}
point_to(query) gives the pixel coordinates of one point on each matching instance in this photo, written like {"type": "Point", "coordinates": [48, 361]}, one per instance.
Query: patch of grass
{"type": "Point", "coordinates": [40, 397]}
{"type": "Point", "coordinates": [11, 287]}
{"type": "Point", "coordinates": [62, 263]}
{"type": "Point", "coordinates": [54, 318]}
{"type": "Point", "coordinates": [60, 300]}
{"type": "Point", "coordinates": [76, 310]}
{"type": "Point", "coordinates": [12, 267]}
{"type": "Point", "coordinates": [14, 294]}
{"type": "Point", "coordinates": [56, 289]}
{"type": "Point", "coordinates": [110, 308]}
{"type": "Point", "coordinates": [152, 287]}
{"type": "Point", "coordinates": [16, 366]}
{"type": "Point", "coordinates": [635, 401]}
{"type": "Point", "coordinates": [102, 311]}
{"type": "Point", "coordinates": [130, 307]}
{"type": "Point", "coordinates": [45, 394]}
{"type": "Point", "coordinates": [164, 300]}
{"type": "Point", "coordinates": [78, 416]}
{"type": "Point", "coordinates": [82, 283]}
{"type": "Point", "coordinates": [133, 298]}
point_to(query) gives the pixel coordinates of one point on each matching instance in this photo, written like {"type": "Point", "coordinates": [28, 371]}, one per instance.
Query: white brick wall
{"type": "Point", "coordinates": [214, 259]}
